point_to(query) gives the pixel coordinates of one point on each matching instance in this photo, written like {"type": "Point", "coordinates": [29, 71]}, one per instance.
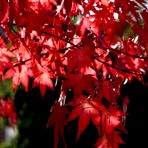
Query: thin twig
{"type": "Point", "coordinates": [50, 34]}
{"type": "Point", "coordinates": [123, 70]}
{"type": "Point", "coordinates": [60, 7]}
{"type": "Point", "coordinates": [23, 62]}
{"type": "Point", "coordinates": [25, 45]}
{"type": "Point", "coordinates": [121, 52]}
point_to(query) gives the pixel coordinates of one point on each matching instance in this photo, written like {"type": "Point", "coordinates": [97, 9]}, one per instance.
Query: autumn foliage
{"type": "Point", "coordinates": [90, 47]}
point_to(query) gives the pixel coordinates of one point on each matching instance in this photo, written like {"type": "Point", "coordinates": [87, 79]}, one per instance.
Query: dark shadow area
{"type": "Point", "coordinates": [33, 112]}
{"type": "Point", "coordinates": [136, 121]}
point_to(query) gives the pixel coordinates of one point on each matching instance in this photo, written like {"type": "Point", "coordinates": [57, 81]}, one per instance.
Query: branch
{"type": "Point", "coordinates": [50, 34]}
{"type": "Point", "coordinates": [128, 54]}
{"type": "Point", "coordinates": [22, 62]}
{"type": "Point", "coordinates": [23, 42]}
{"type": "Point", "coordinates": [60, 7]}
{"type": "Point", "coordinates": [123, 70]}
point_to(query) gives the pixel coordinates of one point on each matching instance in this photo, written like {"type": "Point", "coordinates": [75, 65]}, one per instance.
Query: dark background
{"type": "Point", "coordinates": [33, 112]}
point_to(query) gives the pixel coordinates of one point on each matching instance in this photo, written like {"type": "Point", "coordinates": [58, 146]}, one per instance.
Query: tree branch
{"type": "Point", "coordinates": [23, 62]}
{"type": "Point", "coordinates": [123, 70]}
{"type": "Point", "coordinates": [118, 51]}
{"type": "Point", "coordinates": [50, 34]}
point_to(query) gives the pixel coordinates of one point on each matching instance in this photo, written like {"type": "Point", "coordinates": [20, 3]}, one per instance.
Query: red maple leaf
{"type": "Point", "coordinates": [43, 80]}
{"type": "Point", "coordinates": [5, 59]}
{"type": "Point", "coordinates": [13, 11]}
{"type": "Point", "coordinates": [57, 119]}
{"type": "Point", "coordinates": [86, 109]}
{"type": "Point", "coordinates": [3, 10]}
{"type": "Point", "coordinates": [107, 90]}
{"type": "Point", "coordinates": [19, 75]}
{"type": "Point", "coordinates": [79, 58]}
{"type": "Point", "coordinates": [104, 143]}
{"type": "Point", "coordinates": [7, 110]}
{"type": "Point", "coordinates": [68, 5]}
{"type": "Point", "coordinates": [42, 77]}
{"type": "Point", "coordinates": [104, 2]}
{"type": "Point", "coordinates": [79, 83]}
{"type": "Point", "coordinates": [90, 47]}
{"type": "Point", "coordinates": [110, 137]}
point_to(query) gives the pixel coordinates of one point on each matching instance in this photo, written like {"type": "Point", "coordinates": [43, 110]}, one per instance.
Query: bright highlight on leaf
{"type": "Point", "coordinates": [86, 110]}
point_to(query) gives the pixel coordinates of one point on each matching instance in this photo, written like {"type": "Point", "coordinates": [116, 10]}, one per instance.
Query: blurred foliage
{"type": "Point", "coordinates": [6, 88]}
{"type": "Point", "coordinates": [7, 138]}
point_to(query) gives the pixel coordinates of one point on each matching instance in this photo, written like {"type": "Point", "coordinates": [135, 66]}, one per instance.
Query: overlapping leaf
{"type": "Point", "coordinates": [57, 119]}
{"type": "Point", "coordinates": [90, 46]}
{"type": "Point", "coordinates": [3, 10]}
{"type": "Point", "coordinates": [19, 75]}
{"type": "Point", "coordinates": [86, 110]}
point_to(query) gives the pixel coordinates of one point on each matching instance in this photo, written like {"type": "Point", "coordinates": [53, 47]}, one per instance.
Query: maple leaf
{"type": "Point", "coordinates": [88, 6]}
{"type": "Point", "coordinates": [19, 75]}
{"type": "Point", "coordinates": [3, 10]}
{"type": "Point", "coordinates": [84, 25]}
{"type": "Point", "coordinates": [104, 2]}
{"type": "Point", "coordinates": [5, 59]}
{"type": "Point", "coordinates": [57, 119]}
{"type": "Point", "coordinates": [13, 11]}
{"type": "Point", "coordinates": [79, 83]}
{"type": "Point", "coordinates": [110, 121]}
{"type": "Point", "coordinates": [78, 58]}
{"type": "Point", "coordinates": [5, 55]}
{"type": "Point", "coordinates": [68, 5]}
{"type": "Point", "coordinates": [81, 44]}
{"type": "Point", "coordinates": [7, 110]}
{"type": "Point", "coordinates": [43, 80]}
{"type": "Point", "coordinates": [42, 77]}
{"type": "Point", "coordinates": [104, 143]}
{"type": "Point", "coordinates": [86, 109]}
{"type": "Point", "coordinates": [107, 90]}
